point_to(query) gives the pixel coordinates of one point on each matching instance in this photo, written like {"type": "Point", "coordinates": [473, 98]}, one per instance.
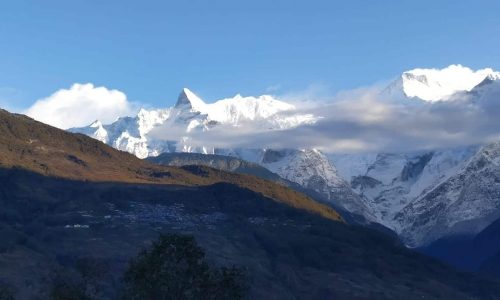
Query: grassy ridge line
{"type": "Point", "coordinates": [40, 148]}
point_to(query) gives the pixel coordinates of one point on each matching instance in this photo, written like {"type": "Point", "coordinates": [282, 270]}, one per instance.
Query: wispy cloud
{"type": "Point", "coordinates": [367, 120]}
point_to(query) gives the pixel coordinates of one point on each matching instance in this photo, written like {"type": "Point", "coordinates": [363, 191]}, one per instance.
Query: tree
{"type": "Point", "coordinates": [174, 267]}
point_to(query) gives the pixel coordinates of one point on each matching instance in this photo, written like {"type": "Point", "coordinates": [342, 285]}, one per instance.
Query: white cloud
{"type": "Point", "coordinates": [80, 105]}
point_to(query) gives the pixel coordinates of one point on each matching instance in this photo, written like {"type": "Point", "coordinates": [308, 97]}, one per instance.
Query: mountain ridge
{"type": "Point", "coordinates": [34, 146]}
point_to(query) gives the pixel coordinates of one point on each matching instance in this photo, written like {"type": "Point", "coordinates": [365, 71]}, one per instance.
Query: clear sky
{"type": "Point", "coordinates": [151, 49]}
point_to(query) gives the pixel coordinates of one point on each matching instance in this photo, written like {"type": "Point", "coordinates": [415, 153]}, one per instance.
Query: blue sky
{"type": "Point", "coordinates": [151, 49]}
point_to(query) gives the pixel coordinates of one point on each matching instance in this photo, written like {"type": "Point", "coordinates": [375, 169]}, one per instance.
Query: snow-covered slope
{"type": "Point", "coordinates": [464, 203]}
{"type": "Point", "coordinates": [392, 181]}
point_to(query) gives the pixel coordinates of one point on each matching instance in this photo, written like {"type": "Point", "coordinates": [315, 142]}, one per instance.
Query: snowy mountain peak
{"type": "Point", "coordinates": [439, 84]}
{"type": "Point", "coordinates": [188, 99]}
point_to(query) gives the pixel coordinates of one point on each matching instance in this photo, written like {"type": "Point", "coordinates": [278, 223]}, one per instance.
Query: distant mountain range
{"type": "Point", "coordinates": [423, 195]}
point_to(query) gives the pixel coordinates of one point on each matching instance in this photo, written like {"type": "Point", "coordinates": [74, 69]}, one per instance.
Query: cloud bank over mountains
{"type": "Point", "coordinates": [389, 119]}
{"type": "Point", "coordinates": [364, 123]}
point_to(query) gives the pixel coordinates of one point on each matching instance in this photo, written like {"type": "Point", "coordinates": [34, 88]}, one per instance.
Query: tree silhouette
{"type": "Point", "coordinates": [174, 267]}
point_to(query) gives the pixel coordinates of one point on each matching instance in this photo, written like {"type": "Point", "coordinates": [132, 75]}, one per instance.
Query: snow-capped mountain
{"type": "Point", "coordinates": [189, 114]}
{"type": "Point", "coordinates": [417, 194]}
{"type": "Point", "coordinates": [439, 84]}
{"type": "Point", "coordinates": [395, 189]}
